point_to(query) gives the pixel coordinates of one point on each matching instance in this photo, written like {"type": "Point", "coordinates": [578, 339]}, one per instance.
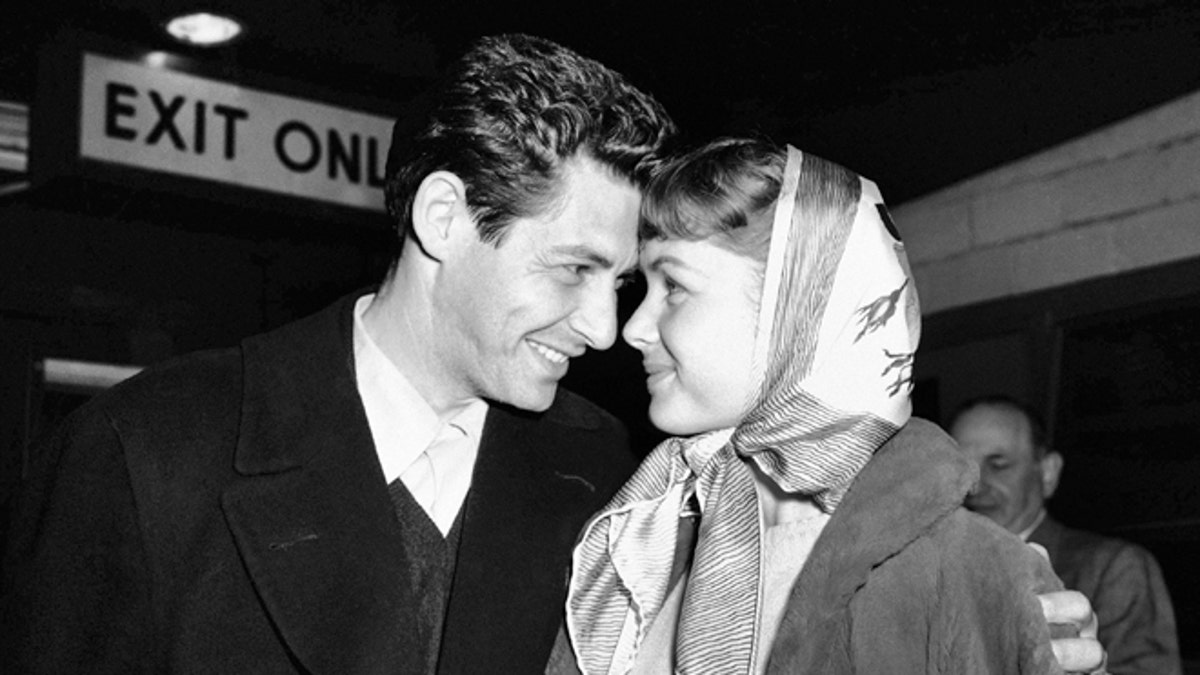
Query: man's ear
{"type": "Point", "coordinates": [440, 213]}
{"type": "Point", "coordinates": [1052, 465]}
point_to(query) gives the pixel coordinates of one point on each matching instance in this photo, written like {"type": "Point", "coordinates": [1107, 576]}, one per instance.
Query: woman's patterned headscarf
{"type": "Point", "coordinates": [837, 329]}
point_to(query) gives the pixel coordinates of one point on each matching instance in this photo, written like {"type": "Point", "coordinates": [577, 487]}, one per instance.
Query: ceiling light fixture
{"type": "Point", "coordinates": [203, 29]}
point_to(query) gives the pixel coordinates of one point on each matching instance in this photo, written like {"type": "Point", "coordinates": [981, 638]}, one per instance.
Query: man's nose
{"type": "Point", "coordinates": [986, 476]}
{"type": "Point", "coordinates": [987, 481]}
{"type": "Point", "coordinates": [596, 318]}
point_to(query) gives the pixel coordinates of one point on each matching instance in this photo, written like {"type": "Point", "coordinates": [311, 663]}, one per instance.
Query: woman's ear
{"type": "Point", "coordinates": [439, 213]}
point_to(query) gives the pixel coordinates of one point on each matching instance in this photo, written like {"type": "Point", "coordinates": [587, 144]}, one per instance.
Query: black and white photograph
{"type": "Point", "coordinates": [599, 338]}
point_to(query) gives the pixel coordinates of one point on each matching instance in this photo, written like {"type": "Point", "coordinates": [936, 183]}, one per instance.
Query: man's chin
{"type": "Point", "coordinates": [985, 509]}
{"type": "Point", "coordinates": [532, 401]}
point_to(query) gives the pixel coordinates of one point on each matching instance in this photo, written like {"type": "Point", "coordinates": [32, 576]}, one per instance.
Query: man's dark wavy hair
{"type": "Point", "coordinates": [508, 116]}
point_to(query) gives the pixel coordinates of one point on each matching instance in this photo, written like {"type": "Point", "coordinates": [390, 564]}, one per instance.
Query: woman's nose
{"type": "Point", "coordinates": [641, 330]}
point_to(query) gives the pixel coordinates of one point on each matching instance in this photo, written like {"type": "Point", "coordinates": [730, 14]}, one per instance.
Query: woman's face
{"type": "Point", "coordinates": [695, 330]}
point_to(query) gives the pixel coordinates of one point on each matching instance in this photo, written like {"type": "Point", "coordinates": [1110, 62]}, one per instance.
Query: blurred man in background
{"type": "Point", "coordinates": [1018, 472]}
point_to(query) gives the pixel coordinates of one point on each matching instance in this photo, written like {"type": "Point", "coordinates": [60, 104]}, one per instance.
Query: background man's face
{"type": "Point", "coordinates": [1010, 477]}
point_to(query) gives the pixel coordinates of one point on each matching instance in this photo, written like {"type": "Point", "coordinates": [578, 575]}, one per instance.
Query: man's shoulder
{"type": "Point", "coordinates": [202, 379]}
{"type": "Point", "coordinates": [1087, 560]}
{"type": "Point", "coordinates": [572, 410]}
{"type": "Point", "coordinates": [1079, 550]}
{"type": "Point", "coordinates": [197, 395]}
{"type": "Point", "coordinates": [578, 437]}
{"type": "Point", "coordinates": [186, 380]}
{"type": "Point", "coordinates": [571, 422]}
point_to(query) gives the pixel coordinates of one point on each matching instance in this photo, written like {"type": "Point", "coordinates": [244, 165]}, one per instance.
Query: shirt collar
{"type": "Point", "coordinates": [1024, 534]}
{"type": "Point", "coordinates": [402, 422]}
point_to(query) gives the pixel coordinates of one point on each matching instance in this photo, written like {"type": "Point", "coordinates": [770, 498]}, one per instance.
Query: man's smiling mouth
{"type": "Point", "coordinates": [552, 355]}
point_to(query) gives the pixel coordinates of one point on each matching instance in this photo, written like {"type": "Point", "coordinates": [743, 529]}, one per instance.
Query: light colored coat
{"type": "Point", "coordinates": [904, 580]}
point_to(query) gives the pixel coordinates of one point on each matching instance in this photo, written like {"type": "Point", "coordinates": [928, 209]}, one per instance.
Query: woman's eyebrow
{"type": "Point", "coordinates": [663, 260]}
{"type": "Point", "coordinates": [674, 262]}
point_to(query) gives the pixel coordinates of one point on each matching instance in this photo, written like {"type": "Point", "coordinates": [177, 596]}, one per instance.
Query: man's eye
{"type": "Point", "coordinates": [574, 273]}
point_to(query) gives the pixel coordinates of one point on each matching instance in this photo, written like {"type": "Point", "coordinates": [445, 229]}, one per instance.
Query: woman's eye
{"type": "Point", "coordinates": [672, 287]}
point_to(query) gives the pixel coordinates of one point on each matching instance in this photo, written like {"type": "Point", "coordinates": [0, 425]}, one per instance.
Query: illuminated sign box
{"type": "Point", "coordinates": [119, 117]}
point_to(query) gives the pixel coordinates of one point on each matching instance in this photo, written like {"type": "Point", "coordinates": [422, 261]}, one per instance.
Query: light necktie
{"type": "Point", "coordinates": [426, 477]}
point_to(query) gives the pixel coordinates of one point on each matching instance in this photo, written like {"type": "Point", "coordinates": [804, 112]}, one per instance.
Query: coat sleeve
{"type": "Point", "coordinates": [988, 617]}
{"type": "Point", "coordinates": [76, 593]}
{"type": "Point", "coordinates": [1137, 622]}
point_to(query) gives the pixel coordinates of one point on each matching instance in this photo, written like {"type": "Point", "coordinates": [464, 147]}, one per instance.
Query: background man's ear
{"type": "Point", "coordinates": [1052, 465]}
{"type": "Point", "coordinates": [439, 213]}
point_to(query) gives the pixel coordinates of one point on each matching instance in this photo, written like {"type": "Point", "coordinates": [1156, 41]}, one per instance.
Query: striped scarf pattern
{"type": "Point", "coordinates": [838, 326]}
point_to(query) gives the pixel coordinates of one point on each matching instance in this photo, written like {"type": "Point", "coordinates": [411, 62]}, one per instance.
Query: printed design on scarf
{"type": "Point", "coordinates": [876, 314]}
{"type": "Point", "coordinates": [902, 363]}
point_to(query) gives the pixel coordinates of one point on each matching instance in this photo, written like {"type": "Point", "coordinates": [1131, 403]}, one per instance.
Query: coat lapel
{"type": "Point", "coordinates": [522, 517]}
{"type": "Point", "coordinates": [311, 516]}
{"type": "Point", "coordinates": [913, 481]}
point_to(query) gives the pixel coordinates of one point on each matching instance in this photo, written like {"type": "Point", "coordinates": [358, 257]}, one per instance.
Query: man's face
{"type": "Point", "coordinates": [1010, 477]}
{"type": "Point", "coordinates": [514, 313]}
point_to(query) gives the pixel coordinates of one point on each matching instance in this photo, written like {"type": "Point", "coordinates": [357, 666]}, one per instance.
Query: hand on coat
{"type": "Point", "coordinates": [1073, 629]}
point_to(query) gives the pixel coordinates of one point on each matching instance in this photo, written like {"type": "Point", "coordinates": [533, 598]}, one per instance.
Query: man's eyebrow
{"type": "Point", "coordinates": [584, 253]}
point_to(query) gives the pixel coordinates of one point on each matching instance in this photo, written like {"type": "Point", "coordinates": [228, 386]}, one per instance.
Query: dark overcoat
{"type": "Point", "coordinates": [227, 513]}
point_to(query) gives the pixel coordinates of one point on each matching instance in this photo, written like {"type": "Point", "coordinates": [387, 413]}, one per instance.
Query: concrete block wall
{"type": "Point", "coordinates": [1116, 200]}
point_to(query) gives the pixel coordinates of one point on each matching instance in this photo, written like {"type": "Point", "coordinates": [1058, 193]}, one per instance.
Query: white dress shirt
{"type": "Point", "coordinates": [432, 456]}
{"type": "Point", "coordinates": [1024, 534]}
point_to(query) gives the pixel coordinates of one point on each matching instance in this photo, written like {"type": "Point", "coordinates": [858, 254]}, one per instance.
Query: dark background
{"type": "Point", "coordinates": [913, 94]}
